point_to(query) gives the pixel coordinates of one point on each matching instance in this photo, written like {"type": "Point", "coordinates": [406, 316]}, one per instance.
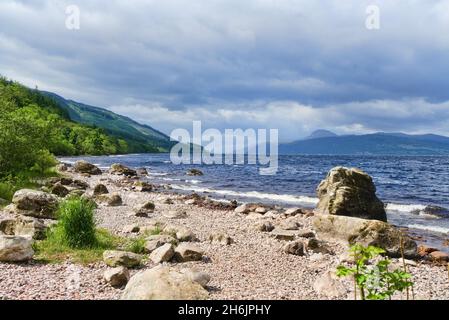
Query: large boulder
{"type": "Point", "coordinates": [82, 166]}
{"type": "Point", "coordinates": [349, 192]}
{"type": "Point", "coordinates": [36, 204]}
{"type": "Point", "coordinates": [120, 169]}
{"type": "Point", "coordinates": [15, 248]}
{"type": "Point", "coordinates": [31, 227]}
{"type": "Point", "coordinates": [163, 283]}
{"type": "Point", "coordinates": [365, 232]}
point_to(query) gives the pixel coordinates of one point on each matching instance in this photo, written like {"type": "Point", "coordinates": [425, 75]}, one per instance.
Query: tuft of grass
{"type": "Point", "coordinates": [52, 250]}
{"type": "Point", "coordinates": [76, 225]}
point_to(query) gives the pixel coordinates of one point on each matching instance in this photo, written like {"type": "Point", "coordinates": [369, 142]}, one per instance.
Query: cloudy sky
{"type": "Point", "coordinates": [294, 65]}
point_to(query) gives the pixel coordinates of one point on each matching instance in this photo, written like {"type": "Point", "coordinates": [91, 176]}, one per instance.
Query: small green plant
{"type": "Point", "coordinates": [137, 245]}
{"type": "Point", "coordinates": [374, 281]}
{"type": "Point", "coordinates": [51, 250]}
{"type": "Point", "coordinates": [76, 225]}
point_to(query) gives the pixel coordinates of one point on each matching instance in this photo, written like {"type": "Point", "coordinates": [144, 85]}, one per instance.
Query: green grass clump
{"type": "Point", "coordinates": [76, 225]}
{"type": "Point", "coordinates": [137, 245]}
{"type": "Point", "coordinates": [52, 250]}
{"type": "Point", "coordinates": [75, 236]}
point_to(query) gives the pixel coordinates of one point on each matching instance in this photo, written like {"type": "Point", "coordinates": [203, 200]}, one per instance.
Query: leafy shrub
{"type": "Point", "coordinates": [76, 225]}
{"type": "Point", "coordinates": [374, 281]}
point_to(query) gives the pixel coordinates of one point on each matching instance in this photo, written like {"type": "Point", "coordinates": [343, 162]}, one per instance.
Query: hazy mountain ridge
{"type": "Point", "coordinates": [380, 143]}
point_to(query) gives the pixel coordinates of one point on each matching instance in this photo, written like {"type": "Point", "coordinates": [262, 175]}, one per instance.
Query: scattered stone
{"type": "Point", "coordinates": [365, 232]}
{"type": "Point", "coordinates": [244, 208]}
{"type": "Point", "coordinates": [62, 167]}
{"type": "Point", "coordinates": [163, 283]}
{"type": "Point", "coordinates": [295, 248]}
{"type": "Point", "coordinates": [31, 227]}
{"type": "Point", "coordinates": [439, 256]}
{"type": "Point", "coordinates": [115, 258]}
{"type": "Point", "coordinates": [349, 192]}
{"type": "Point", "coordinates": [79, 184]}
{"type": "Point", "coordinates": [100, 189]}
{"type": "Point", "coordinates": [290, 224]}
{"type": "Point", "coordinates": [264, 226]}
{"type": "Point", "coordinates": [261, 210]}
{"type": "Point", "coordinates": [329, 285]}
{"type": "Point", "coordinates": [280, 234]}
{"type": "Point", "coordinates": [145, 209]}
{"type": "Point", "coordinates": [155, 241]}
{"type": "Point", "coordinates": [168, 201]}
{"type": "Point", "coordinates": [111, 200]}
{"type": "Point", "coordinates": [424, 250]}
{"type": "Point", "coordinates": [306, 234]}
{"type": "Point", "coordinates": [82, 166]}
{"type": "Point", "coordinates": [142, 186]}
{"type": "Point", "coordinates": [162, 254]}
{"type": "Point", "coordinates": [117, 277]}
{"type": "Point", "coordinates": [185, 234]}
{"type": "Point", "coordinates": [194, 172]}
{"type": "Point", "coordinates": [185, 252]}
{"type": "Point", "coordinates": [175, 214]}
{"type": "Point", "coordinates": [221, 238]}
{"type": "Point", "coordinates": [254, 216]}
{"type": "Point", "coordinates": [7, 226]}
{"type": "Point", "coordinates": [132, 228]}
{"type": "Point", "coordinates": [15, 248]}
{"type": "Point", "coordinates": [318, 246]}
{"type": "Point", "coordinates": [120, 169]}
{"type": "Point", "coordinates": [142, 171]}
{"type": "Point", "coordinates": [59, 190]}
{"type": "Point", "coordinates": [202, 278]}
{"type": "Point", "coordinates": [190, 202]}
{"type": "Point", "coordinates": [293, 211]}
{"type": "Point", "coordinates": [36, 204]}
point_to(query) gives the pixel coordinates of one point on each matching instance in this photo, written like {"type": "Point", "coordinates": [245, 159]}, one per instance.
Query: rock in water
{"type": "Point", "coordinates": [117, 277]}
{"type": "Point", "coordinates": [194, 172]}
{"type": "Point", "coordinates": [349, 192]}
{"type": "Point", "coordinates": [120, 169]}
{"type": "Point", "coordinates": [36, 204]}
{"type": "Point", "coordinates": [82, 166]}
{"type": "Point", "coordinates": [15, 249]}
{"type": "Point", "coordinates": [163, 283]}
{"type": "Point", "coordinates": [365, 232]}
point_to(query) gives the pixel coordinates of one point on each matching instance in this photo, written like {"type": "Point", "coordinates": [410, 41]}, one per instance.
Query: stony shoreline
{"type": "Point", "coordinates": [254, 266]}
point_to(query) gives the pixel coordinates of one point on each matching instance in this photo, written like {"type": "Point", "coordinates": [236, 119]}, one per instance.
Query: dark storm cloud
{"type": "Point", "coordinates": [240, 62]}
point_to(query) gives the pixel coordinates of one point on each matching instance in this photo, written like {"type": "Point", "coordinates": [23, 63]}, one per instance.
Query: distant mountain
{"type": "Point", "coordinates": [139, 137]}
{"type": "Point", "coordinates": [371, 144]}
{"type": "Point", "coordinates": [321, 134]}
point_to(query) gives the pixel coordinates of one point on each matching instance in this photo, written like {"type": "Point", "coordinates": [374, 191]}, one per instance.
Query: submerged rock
{"type": "Point", "coordinates": [365, 232]}
{"type": "Point", "coordinates": [194, 172]}
{"type": "Point", "coordinates": [349, 192]}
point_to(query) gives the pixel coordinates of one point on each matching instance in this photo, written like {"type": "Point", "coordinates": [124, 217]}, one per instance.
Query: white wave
{"type": "Point", "coordinates": [170, 179]}
{"type": "Point", "coordinates": [404, 208]}
{"type": "Point", "coordinates": [167, 161]}
{"type": "Point", "coordinates": [287, 198]}
{"type": "Point", "coordinates": [429, 228]}
{"type": "Point", "coordinates": [158, 174]}
{"type": "Point", "coordinates": [194, 181]}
